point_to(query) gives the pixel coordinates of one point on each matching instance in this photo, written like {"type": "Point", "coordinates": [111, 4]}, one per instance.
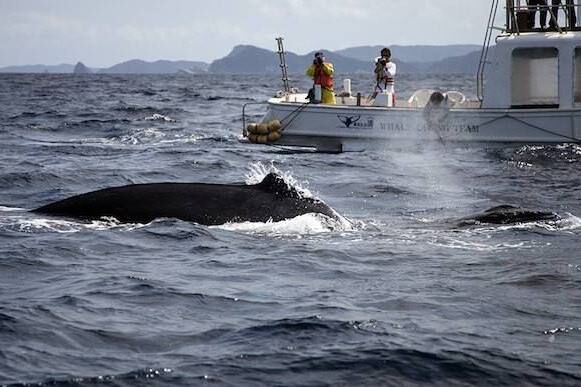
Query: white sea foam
{"type": "Point", "coordinates": [306, 224]}
{"type": "Point", "coordinates": [153, 136]}
{"type": "Point", "coordinates": [459, 244]}
{"type": "Point", "coordinates": [30, 224]}
{"type": "Point", "coordinates": [570, 222]}
{"type": "Point", "coordinates": [141, 136]}
{"type": "Point", "coordinates": [159, 117]}
{"type": "Point", "coordinates": [11, 209]}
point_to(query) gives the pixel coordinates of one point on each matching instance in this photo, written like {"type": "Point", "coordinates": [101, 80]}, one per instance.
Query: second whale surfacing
{"type": "Point", "coordinates": [507, 214]}
{"type": "Point", "coordinates": [209, 204]}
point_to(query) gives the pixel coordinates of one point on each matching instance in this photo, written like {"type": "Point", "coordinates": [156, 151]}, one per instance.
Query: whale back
{"type": "Point", "coordinates": [208, 204]}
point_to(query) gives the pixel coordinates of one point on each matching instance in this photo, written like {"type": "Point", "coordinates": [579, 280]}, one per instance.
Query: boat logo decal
{"type": "Point", "coordinates": [355, 121]}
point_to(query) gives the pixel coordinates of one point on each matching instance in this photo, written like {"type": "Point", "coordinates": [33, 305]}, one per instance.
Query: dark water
{"type": "Point", "coordinates": [403, 296]}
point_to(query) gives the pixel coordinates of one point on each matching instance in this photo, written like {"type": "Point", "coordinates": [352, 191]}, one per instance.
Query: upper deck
{"type": "Point", "coordinates": [559, 16]}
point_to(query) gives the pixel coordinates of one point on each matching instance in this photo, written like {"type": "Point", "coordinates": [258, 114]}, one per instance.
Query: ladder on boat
{"type": "Point", "coordinates": [283, 66]}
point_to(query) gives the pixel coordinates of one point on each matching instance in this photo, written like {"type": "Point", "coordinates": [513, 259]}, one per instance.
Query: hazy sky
{"type": "Point", "coordinates": [101, 33]}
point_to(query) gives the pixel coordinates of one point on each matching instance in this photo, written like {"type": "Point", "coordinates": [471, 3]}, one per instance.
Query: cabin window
{"type": "Point", "coordinates": [577, 75]}
{"type": "Point", "coordinates": [535, 77]}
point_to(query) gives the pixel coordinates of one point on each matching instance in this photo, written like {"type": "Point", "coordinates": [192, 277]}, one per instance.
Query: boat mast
{"type": "Point", "coordinates": [283, 65]}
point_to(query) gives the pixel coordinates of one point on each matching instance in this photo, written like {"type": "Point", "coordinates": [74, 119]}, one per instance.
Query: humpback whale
{"type": "Point", "coordinates": [207, 204]}
{"type": "Point", "coordinates": [507, 214]}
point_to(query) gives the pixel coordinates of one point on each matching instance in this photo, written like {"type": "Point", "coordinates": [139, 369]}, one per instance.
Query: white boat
{"type": "Point", "coordinates": [529, 91]}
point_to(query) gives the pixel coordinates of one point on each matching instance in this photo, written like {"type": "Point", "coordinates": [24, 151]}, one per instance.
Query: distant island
{"type": "Point", "coordinates": [247, 59]}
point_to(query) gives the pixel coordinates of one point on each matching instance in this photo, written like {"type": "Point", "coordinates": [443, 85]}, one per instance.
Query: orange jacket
{"type": "Point", "coordinates": [322, 75]}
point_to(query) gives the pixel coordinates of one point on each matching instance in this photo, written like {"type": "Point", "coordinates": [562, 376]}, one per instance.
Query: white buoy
{"type": "Point", "coordinates": [347, 86]}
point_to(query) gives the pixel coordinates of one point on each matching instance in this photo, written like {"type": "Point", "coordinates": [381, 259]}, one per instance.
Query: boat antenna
{"type": "Point", "coordinates": [283, 66]}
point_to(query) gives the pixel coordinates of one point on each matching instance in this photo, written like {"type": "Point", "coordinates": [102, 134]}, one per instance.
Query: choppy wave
{"type": "Point", "coordinates": [159, 117]}
{"type": "Point", "coordinates": [397, 294]}
{"type": "Point", "coordinates": [153, 135]}
{"type": "Point", "coordinates": [149, 376]}
{"type": "Point", "coordinates": [543, 154]}
{"type": "Point", "coordinates": [338, 358]}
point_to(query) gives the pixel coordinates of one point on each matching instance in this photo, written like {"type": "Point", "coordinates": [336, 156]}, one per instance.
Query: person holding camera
{"type": "Point", "coordinates": [322, 74]}
{"type": "Point", "coordinates": [385, 71]}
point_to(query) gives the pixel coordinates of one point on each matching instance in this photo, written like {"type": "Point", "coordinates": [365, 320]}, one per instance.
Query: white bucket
{"type": "Point", "coordinates": [389, 99]}
{"type": "Point", "coordinates": [318, 93]}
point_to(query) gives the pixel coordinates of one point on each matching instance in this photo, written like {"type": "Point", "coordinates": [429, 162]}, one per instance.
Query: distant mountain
{"type": "Point", "coordinates": [465, 64]}
{"type": "Point", "coordinates": [419, 54]}
{"type": "Point", "coordinates": [130, 67]}
{"type": "Point", "coordinates": [80, 68]}
{"type": "Point", "coordinates": [137, 66]}
{"type": "Point", "coordinates": [55, 69]}
{"type": "Point", "coordinates": [247, 59]}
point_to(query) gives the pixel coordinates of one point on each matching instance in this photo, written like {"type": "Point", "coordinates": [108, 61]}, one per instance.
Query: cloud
{"type": "Point", "coordinates": [105, 32]}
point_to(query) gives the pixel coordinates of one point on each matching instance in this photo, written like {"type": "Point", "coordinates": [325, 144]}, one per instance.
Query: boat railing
{"type": "Point", "coordinates": [244, 114]}
{"type": "Point", "coordinates": [521, 17]}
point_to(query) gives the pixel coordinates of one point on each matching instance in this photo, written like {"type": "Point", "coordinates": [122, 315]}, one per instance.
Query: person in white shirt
{"type": "Point", "coordinates": [385, 71]}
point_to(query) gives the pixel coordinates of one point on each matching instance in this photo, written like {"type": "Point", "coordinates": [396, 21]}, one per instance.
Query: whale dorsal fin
{"type": "Point", "coordinates": [277, 185]}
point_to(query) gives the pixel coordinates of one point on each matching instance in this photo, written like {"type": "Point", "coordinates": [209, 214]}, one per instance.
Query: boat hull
{"type": "Point", "coordinates": [342, 127]}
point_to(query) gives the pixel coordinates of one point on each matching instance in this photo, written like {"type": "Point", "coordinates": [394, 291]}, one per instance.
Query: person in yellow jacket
{"type": "Point", "coordinates": [322, 74]}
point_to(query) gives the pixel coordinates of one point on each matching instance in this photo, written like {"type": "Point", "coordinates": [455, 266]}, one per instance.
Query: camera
{"type": "Point", "coordinates": [318, 60]}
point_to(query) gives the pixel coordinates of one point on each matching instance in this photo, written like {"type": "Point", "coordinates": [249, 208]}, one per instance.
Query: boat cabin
{"type": "Point", "coordinates": [536, 63]}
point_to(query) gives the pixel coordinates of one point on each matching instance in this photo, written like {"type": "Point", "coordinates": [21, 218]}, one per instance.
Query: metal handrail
{"type": "Point", "coordinates": [485, 48]}
{"type": "Point", "coordinates": [244, 113]}
{"type": "Point", "coordinates": [513, 10]}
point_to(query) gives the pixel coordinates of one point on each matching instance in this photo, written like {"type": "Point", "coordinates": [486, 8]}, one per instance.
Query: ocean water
{"type": "Point", "coordinates": [403, 294]}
